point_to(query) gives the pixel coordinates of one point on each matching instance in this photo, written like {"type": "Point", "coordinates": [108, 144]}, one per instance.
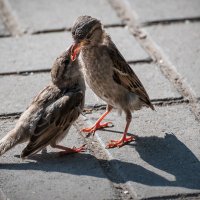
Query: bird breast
{"type": "Point", "coordinates": [98, 72]}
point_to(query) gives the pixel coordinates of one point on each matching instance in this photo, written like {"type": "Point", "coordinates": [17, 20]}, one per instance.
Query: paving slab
{"type": "Point", "coordinates": [32, 52]}
{"type": "Point", "coordinates": [127, 44]}
{"type": "Point", "coordinates": [156, 10]}
{"type": "Point", "coordinates": [39, 51]}
{"type": "Point", "coordinates": [17, 92]}
{"type": "Point", "coordinates": [181, 44]}
{"type": "Point", "coordinates": [49, 176]}
{"type": "Point", "coordinates": [156, 85]}
{"type": "Point", "coordinates": [40, 15]}
{"type": "Point", "coordinates": [3, 29]}
{"type": "Point", "coordinates": [164, 160]}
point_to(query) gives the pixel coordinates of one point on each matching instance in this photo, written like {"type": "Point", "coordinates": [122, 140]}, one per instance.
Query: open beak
{"type": "Point", "coordinates": [76, 47]}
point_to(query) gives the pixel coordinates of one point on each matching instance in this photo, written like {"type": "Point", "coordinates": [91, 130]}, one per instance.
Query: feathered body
{"type": "Point", "coordinates": [52, 112]}
{"type": "Point", "coordinates": [108, 82]}
{"type": "Point", "coordinates": [106, 71]}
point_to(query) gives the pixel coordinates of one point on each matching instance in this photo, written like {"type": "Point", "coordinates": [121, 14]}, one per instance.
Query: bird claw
{"type": "Point", "coordinates": [73, 150]}
{"type": "Point", "coordinates": [80, 149]}
{"type": "Point", "coordinates": [120, 143]}
{"type": "Point", "coordinates": [96, 127]}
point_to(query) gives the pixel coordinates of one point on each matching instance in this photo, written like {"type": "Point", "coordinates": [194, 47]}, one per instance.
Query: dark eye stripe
{"type": "Point", "coordinates": [90, 34]}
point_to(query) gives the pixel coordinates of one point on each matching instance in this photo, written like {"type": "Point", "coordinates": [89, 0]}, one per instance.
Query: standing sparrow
{"type": "Point", "coordinates": [107, 73]}
{"type": "Point", "coordinates": [52, 112]}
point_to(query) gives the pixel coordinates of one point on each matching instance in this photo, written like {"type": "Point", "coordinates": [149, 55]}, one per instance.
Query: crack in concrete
{"type": "Point", "coordinates": [171, 21]}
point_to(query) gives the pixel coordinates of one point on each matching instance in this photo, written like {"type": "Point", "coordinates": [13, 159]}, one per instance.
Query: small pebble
{"type": "Point", "coordinates": [126, 192]}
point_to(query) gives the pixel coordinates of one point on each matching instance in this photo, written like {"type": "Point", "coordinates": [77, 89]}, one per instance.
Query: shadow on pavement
{"type": "Point", "coordinates": [167, 154]}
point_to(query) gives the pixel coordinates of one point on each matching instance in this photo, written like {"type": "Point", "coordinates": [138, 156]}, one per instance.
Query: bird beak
{"type": "Point", "coordinates": [76, 47]}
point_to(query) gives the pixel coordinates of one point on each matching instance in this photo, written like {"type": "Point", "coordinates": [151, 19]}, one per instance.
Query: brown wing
{"type": "Point", "coordinates": [125, 76]}
{"type": "Point", "coordinates": [56, 118]}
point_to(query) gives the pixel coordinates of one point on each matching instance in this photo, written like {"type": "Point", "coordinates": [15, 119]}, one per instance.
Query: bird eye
{"type": "Point", "coordinates": [88, 36]}
{"type": "Point", "coordinates": [67, 61]}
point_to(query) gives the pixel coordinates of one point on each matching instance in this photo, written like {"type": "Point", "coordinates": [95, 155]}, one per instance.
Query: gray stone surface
{"type": "Point", "coordinates": [156, 10]}
{"type": "Point", "coordinates": [156, 85]}
{"type": "Point", "coordinates": [39, 51]}
{"type": "Point", "coordinates": [42, 15]}
{"type": "Point", "coordinates": [32, 52]}
{"type": "Point", "coordinates": [17, 91]}
{"type": "Point", "coordinates": [164, 160]}
{"type": "Point", "coordinates": [181, 44]}
{"type": "Point", "coordinates": [127, 44]}
{"type": "Point", "coordinates": [49, 176]}
{"type": "Point", "coordinates": [3, 29]}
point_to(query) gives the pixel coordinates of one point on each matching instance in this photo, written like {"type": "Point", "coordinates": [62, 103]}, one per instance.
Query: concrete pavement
{"type": "Point", "coordinates": [161, 42]}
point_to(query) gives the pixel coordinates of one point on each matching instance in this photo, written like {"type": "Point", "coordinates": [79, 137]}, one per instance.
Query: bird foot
{"type": "Point", "coordinates": [120, 143]}
{"type": "Point", "coordinates": [73, 150]}
{"type": "Point", "coordinates": [96, 127]}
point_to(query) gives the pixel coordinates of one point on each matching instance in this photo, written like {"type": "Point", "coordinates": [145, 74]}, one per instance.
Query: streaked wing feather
{"type": "Point", "coordinates": [56, 118]}
{"type": "Point", "coordinates": [125, 76]}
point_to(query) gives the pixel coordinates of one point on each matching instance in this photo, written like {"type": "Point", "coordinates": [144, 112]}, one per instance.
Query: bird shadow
{"type": "Point", "coordinates": [167, 154]}
{"type": "Point", "coordinates": [172, 156]}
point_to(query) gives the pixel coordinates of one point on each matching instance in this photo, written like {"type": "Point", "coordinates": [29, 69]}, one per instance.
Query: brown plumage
{"type": "Point", "coordinates": [107, 73]}
{"type": "Point", "coordinates": [52, 112]}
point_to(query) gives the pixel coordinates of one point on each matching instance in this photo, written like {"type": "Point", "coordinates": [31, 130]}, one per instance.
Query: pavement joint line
{"type": "Point", "coordinates": [178, 196]}
{"type": "Point", "coordinates": [5, 36]}
{"type": "Point", "coordinates": [9, 18]}
{"type": "Point", "coordinates": [142, 61]}
{"type": "Point", "coordinates": [125, 12]}
{"type": "Point", "coordinates": [171, 21]}
{"type": "Point", "coordinates": [37, 71]}
{"type": "Point", "coordinates": [25, 73]}
{"type": "Point", "coordinates": [171, 103]}
{"type": "Point", "coordinates": [51, 31]}
{"type": "Point", "coordinates": [10, 115]}
{"type": "Point", "coordinates": [157, 102]}
{"type": "Point", "coordinates": [65, 29]}
{"type": "Point", "coordinates": [97, 107]}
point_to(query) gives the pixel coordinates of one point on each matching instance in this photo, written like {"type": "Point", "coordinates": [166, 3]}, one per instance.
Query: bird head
{"type": "Point", "coordinates": [85, 31]}
{"type": "Point", "coordinates": [65, 71]}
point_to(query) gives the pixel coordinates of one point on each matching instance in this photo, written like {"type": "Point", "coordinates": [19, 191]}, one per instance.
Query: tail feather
{"type": "Point", "coordinates": [9, 141]}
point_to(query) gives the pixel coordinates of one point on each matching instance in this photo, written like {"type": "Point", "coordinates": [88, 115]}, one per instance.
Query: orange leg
{"type": "Point", "coordinates": [125, 139]}
{"type": "Point", "coordinates": [98, 124]}
{"type": "Point", "coordinates": [67, 150]}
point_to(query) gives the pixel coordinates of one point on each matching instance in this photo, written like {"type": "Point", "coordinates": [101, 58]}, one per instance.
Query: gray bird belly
{"type": "Point", "coordinates": [100, 80]}
{"type": "Point", "coordinates": [98, 72]}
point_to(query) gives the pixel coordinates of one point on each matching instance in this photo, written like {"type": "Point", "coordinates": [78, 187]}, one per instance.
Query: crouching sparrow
{"type": "Point", "coordinates": [52, 112]}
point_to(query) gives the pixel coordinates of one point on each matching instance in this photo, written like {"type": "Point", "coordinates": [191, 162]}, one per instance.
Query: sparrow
{"type": "Point", "coordinates": [49, 117]}
{"type": "Point", "coordinates": [108, 74]}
